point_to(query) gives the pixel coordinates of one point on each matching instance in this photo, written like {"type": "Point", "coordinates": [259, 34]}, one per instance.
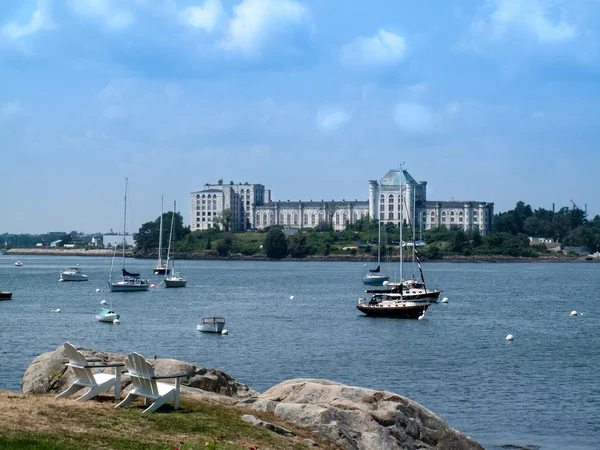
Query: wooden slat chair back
{"type": "Point", "coordinates": [145, 384]}
{"type": "Point", "coordinates": [88, 375]}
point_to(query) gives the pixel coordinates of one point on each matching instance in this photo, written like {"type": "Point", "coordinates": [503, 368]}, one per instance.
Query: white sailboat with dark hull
{"type": "Point", "coordinates": [131, 281]}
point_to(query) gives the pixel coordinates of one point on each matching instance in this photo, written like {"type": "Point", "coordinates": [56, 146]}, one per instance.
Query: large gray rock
{"type": "Point", "coordinates": [48, 374]}
{"type": "Point", "coordinates": [360, 419]}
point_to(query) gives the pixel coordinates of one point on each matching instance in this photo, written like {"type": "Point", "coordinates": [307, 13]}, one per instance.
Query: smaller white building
{"type": "Point", "coordinates": [115, 239]}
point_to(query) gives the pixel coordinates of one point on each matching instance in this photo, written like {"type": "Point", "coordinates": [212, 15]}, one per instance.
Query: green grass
{"type": "Point", "coordinates": [40, 422]}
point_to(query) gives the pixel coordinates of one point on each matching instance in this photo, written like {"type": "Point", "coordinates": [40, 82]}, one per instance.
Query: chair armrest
{"type": "Point", "coordinates": [65, 361]}
{"type": "Point", "coordinates": [176, 375]}
{"type": "Point", "coordinates": [95, 366]}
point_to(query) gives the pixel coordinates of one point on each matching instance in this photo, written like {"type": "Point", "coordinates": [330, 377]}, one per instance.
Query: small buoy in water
{"type": "Point", "coordinates": [291, 297]}
{"type": "Point", "coordinates": [116, 321]}
{"type": "Point", "coordinates": [422, 316]}
{"type": "Point", "coordinates": [103, 302]}
{"type": "Point", "coordinates": [573, 313]}
{"type": "Point", "coordinates": [445, 300]}
{"type": "Point", "coordinates": [152, 286]}
{"type": "Point", "coordinates": [224, 332]}
{"type": "Point", "coordinates": [385, 283]}
{"type": "Point", "coordinates": [509, 337]}
{"type": "Point", "coordinates": [98, 290]}
{"type": "Point", "coordinates": [56, 310]}
{"type": "Point", "coordinates": [364, 265]}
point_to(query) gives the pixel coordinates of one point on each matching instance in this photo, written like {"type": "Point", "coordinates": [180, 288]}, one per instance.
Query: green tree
{"type": "Point", "coordinates": [225, 219]}
{"type": "Point", "coordinates": [298, 246]}
{"type": "Point", "coordinates": [147, 237]}
{"type": "Point", "coordinates": [275, 244]}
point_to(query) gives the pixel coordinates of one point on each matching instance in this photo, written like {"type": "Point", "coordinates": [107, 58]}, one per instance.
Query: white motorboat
{"type": "Point", "coordinates": [73, 274]}
{"type": "Point", "coordinates": [107, 315]}
{"type": "Point", "coordinates": [18, 264]}
{"type": "Point", "coordinates": [211, 325]}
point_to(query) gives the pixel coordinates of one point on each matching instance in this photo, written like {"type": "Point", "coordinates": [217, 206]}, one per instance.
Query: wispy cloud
{"type": "Point", "coordinates": [256, 23]}
{"type": "Point", "coordinates": [39, 20]}
{"type": "Point", "coordinates": [502, 19]}
{"type": "Point", "coordinates": [331, 120]}
{"type": "Point", "coordinates": [383, 49]}
{"type": "Point", "coordinates": [207, 17]}
{"type": "Point", "coordinates": [110, 12]}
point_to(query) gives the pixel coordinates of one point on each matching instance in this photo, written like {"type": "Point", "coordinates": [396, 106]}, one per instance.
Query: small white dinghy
{"type": "Point", "coordinates": [107, 315]}
{"type": "Point", "coordinates": [211, 325]}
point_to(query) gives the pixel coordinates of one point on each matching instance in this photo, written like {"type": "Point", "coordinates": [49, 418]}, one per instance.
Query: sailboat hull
{"type": "Point", "coordinates": [175, 282]}
{"type": "Point", "coordinates": [161, 271]}
{"type": "Point", "coordinates": [129, 286]}
{"type": "Point", "coordinates": [375, 280]}
{"type": "Point", "coordinates": [393, 312]}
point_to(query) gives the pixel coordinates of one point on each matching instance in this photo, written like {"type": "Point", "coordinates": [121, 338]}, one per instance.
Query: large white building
{"type": "Point", "coordinates": [384, 204]}
{"type": "Point", "coordinates": [242, 199]}
{"type": "Point", "coordinates": [253, 208]}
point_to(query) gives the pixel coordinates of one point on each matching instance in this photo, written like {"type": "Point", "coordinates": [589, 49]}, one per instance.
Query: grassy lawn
{"type": "Point", "coordinates": [43, 423]}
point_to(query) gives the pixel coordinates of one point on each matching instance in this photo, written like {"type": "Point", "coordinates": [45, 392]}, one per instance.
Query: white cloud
{"type": "Point", "coordinates": [413, 118]}
{"type": "Point", "coordinates": [39, 20]}
{"type": "Point", "coordinates": [108, 11]}
{"type": "Point", "coordinates": [331, 120]}
{"type": "Point", "coordinates": [255, 23]}
{"type": "Point", "coordinates": [536, 18]}
{"type": "Point", "coordinates": [383, 49]}
{"type": "Point", "coordinates": [207, 17]}
{"type": "Point", "coordinates": [11, 109]}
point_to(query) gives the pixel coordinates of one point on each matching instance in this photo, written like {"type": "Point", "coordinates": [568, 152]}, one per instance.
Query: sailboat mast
{"type": "Point", "coordinates": [379, 246]}
{"type": "Point", "coordinates": [160, 237]}
{"type": "Point", "coordinates": [401, 226]}
{"type": "Point", "coordinates": [171, 238]}
{"type": "Point", "coordinates": [125, 221]}
{"type": "Point", "coordinates": [414, 224]}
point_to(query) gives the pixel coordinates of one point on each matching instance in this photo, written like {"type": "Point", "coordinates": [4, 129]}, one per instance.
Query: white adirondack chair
{"type": "Point", "coordinates": [88, 376]}
{"type": "Point", "coordinates": [145, 384]}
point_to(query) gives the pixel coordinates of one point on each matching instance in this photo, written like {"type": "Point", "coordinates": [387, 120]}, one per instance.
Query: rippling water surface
{"type": "Point", "coordinates": [541, 389]}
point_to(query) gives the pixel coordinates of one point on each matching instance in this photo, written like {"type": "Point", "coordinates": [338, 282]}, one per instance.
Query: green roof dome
{"type": "Point", "coordinates": [396, 177]}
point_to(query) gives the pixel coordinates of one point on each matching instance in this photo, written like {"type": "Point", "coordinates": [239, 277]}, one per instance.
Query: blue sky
{"type": "Point", "coordinates": [488, 100]}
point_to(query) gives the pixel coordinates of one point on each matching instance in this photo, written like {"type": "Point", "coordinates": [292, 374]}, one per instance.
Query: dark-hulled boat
{"type": "Point", "coordinates": [392, 306]}
{"type": "Point", "coordinates": [4, 295]}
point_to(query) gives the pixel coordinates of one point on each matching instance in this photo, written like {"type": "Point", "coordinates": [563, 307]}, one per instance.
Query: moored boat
{"type": "Point", "coordinates": [4, 295]}
{"type": "Point", "coordinates": [174, 280]}
{"type": "Point", "coordinates": [73, 274]}
{"type": "Point", "coordinates": [18, 264]}
{"type": "Point", "coordinates": [131, 281]}
{"type": "Point", "coordinates": [211, 325]}
{"type": "Point", "coordinates": [107, 315]}
{"type": "Point", "coordinates": [391, 306]}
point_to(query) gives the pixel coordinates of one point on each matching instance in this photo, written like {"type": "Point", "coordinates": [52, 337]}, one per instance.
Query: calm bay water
{"type": "Point", "coordinates": [541, 389]}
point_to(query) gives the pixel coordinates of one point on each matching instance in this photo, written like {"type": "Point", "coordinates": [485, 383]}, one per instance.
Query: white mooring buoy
{"type": "Point", "coordinates": [444, 300]}
{"type": "Point", "coordinates": [224, 332]}
{"type": "Point", "coordinates": [291, 297]}
{"type": "Point", "coordinates": [573, 313]}
{"type": "Point", "coordinates": [510, 337]}
{"type": "Point", "coordinates": [103, 302]}
{"type": "Point", "coordinates": [116, 321]}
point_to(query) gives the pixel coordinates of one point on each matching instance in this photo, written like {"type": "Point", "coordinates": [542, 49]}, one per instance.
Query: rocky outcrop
{"type": "Point", "coordinates": [360, 419]}
{"type": "Point", "coordinates": [48, 374]}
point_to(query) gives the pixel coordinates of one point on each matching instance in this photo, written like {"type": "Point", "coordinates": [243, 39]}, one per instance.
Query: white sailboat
{"type": "Point", "coordinates": [108, 314]}
{"type": "Point", "coordinates": [162, 267]}
{"type": "Point", "coordinates": [374, 277]}
{"type": "Point", "coordinates": [131, 281]}
{"type": "Point", "coordinates": [174, 279]}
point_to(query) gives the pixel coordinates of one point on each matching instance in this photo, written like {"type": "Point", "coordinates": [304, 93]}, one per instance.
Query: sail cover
{"type": "Point", "coordinates": [130, 274]}
{"type": "Point", "coordinates": [376, 270]}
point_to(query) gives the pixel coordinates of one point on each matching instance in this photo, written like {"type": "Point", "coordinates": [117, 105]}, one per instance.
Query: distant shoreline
{"type": "Point", "coordinates": [209, 256]}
